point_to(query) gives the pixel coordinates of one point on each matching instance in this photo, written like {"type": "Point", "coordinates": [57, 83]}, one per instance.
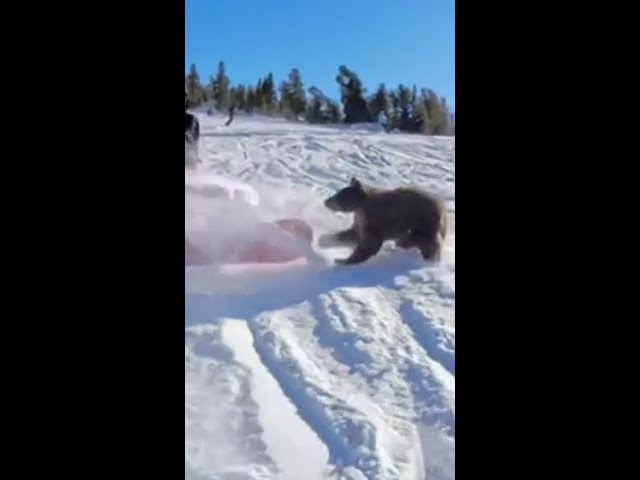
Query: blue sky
{"type": "Point", "coordinates": [401, 41]}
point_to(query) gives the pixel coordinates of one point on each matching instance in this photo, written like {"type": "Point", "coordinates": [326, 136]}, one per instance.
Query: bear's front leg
{"type": "Point", "coordinates": [370, 245]}
{"type": "Point", "coordinates": [345, 237]}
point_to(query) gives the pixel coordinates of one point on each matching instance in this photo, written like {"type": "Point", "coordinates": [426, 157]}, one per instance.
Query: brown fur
{"type": "Point", "coordinates": [410, 216]}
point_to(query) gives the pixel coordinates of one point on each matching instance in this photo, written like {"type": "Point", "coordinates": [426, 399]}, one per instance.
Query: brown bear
{"type": "Point", "coordinates": [408, 215]}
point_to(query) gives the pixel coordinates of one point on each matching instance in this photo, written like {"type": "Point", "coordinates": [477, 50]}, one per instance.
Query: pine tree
{"type": "Point", "coordinates": [211, 90]}
{"type": "Point", "coordinates": [258, 95]}
{"type": "Point", "coordinates": [333, 112]}
{"type": "Point", "coordinates": [240, 98]}
{"type": "Point", "coordinates": [220, 85]}
{"type": "Point", "coordinates": [251, 100]}
{"type": "Point", "coordinates": [380, 104]}
{"type": "Point", "coordinates": [436, 114]}
{"type": "Point", "coordinates": [283, 105]}
{"type": "Point", "coordinates": [314, 112]}
{"type": "Point", "coordinates": [293, 100]}
{"type": "Point", "coordinates": [352, 96]}
{"type": "Point", "coordinates": [194, 88]}
{"type": "Point", "coordinates": [269, 97]}
{"type": "Point", "coordinates": [415, 100]}
{"type": "Point", "coordinates": [401, 99]}
{"type": "Point", "coordinates": [446, 117]}
{"type": "Point", "coordinates": [442, 126]}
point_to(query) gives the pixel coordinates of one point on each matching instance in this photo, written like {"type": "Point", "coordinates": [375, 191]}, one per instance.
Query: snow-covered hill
{"type": "Point", "coordinates": [342, 373]}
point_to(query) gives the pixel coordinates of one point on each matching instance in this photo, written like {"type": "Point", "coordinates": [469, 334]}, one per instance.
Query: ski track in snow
{"type": "Point", "coordinates": [364, 356]}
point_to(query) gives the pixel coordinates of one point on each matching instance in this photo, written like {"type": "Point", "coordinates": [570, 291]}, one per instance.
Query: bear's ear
{"type": "Point", "coordinates": [355, 183]}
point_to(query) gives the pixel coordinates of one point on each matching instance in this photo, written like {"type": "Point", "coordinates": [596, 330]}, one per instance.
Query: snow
{"type": "Point", "coordinates": [325, 372]}
{"type": "Point", "coordinates": [295, 448]}
{"type": "Point", "coordinates": [216, 185]}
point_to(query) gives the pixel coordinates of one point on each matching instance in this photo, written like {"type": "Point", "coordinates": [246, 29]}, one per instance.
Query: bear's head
{"type": "Point", "coordinates": [347, 199]}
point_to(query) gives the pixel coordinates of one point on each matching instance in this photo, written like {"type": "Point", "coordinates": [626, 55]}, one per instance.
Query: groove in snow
{"type": "Point", "coordinates": [294, 447]}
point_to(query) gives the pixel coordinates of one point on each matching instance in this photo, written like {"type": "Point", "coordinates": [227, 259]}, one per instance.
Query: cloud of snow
{"type": "Point", "coordinates": [218, 215]}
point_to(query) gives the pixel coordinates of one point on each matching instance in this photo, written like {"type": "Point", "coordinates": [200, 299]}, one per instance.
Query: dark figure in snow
{"type": "Point", "coordinates": [191, 135]}
{"type": "Point", "coordinates": [231, 112]}
{"type": "Point", "coordinates": [411, 217]}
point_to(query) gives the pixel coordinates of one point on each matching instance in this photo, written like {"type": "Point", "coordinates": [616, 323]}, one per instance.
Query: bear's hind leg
{"type": "Point", "coordinates": [406, 241]}
{"type": "Point", "coordinates": [430, 248]}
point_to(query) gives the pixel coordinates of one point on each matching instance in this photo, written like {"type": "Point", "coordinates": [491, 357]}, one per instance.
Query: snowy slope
{"type": "Point", "coordinates": [341, 373]}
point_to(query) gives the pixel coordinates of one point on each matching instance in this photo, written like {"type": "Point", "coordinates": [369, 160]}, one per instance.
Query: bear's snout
{"type": "Point", "coordinates": [330, 203]}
